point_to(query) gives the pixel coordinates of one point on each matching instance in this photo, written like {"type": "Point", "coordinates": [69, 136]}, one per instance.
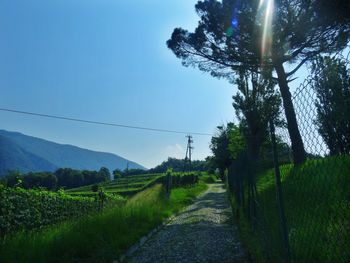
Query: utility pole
{"type": "Point", "coordinates": [127, 174]}
{"type": "Point", "coordinates": [189, 152]}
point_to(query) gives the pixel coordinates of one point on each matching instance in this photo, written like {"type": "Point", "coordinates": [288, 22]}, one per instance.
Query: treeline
{"type": "Point", "coordinates": [179, 165]}
{"type": "Point", "coordinates": [176, 165]}
{"type": "Point", "coordinates": [61, 178]}
{"type": "Point", "coordinates": [69, 178]}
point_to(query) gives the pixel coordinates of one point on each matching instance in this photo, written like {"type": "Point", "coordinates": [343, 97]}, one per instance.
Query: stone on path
{"type": "Point", "coordinates": [203, 232]}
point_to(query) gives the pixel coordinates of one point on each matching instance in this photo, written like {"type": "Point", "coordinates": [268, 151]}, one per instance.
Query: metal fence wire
{"type": "Point", "coordinates": [315, 196]}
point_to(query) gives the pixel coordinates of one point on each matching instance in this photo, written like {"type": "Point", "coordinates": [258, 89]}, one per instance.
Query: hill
{"type": "Point", "coordinates": [30, 154]}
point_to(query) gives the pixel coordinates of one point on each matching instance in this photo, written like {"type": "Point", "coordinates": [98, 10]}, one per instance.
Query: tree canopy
{"type": "Point", "coordinates": [256, 103]}
{"type": "Point", "coordinates": [332, 86]}
{"type": "Point", "coordinates": [235, 35]}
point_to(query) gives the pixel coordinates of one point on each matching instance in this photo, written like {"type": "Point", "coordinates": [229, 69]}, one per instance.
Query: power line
{"type": "Point", "coordinates": [102, 123]}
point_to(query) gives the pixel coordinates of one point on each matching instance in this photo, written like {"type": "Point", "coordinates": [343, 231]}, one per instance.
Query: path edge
{"type": "Point", "coordinates": [129, 252]}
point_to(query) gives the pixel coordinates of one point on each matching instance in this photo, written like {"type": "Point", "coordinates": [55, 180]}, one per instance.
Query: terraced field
{"type": "Point", "coordinates": [123, 186]}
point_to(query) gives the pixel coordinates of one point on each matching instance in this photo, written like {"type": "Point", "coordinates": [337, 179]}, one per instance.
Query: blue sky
{"type": "Point", "coordinates": [107, 60]}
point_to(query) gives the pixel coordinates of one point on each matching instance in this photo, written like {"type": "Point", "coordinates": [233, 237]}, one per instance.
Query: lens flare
{"type": "Point", "coordinates": [234, 20]}
{"type": "Point", "coordinates": [234, 23]}
{"type": "Point", "coordinates": [267, 28]}
{"type": "Point", "coordinates": [261, 2]}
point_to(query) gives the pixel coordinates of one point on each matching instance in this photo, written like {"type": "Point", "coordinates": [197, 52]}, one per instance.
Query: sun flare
{"type": "Point", "coordinates": [267, 28]}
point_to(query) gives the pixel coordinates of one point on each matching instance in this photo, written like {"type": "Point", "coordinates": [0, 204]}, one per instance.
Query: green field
{"type": "Point", "coordinates": [126, 186]}
{"type": "Point", "coordinates": [99, 237]}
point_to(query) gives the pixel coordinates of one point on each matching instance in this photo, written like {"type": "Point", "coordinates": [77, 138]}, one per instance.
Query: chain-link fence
{"type": "Point", "coordinates": [307, 218]}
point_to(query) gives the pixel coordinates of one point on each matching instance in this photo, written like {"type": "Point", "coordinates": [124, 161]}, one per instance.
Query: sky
{"type": "Point", "coordinates": [107, 60]}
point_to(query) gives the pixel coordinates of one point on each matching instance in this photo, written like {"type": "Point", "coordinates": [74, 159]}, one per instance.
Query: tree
{"type": "Point", "coordinates": [14, 179]}
{"type": "Point", "coordinates": [331, 82]}
{"type": "Point", "coordinates": [243, 35]}
{"type": "Point", "coordinates": [237, 143]}
{"type": "Point", "coordinates": [210, 165]}
{"type": "Point", "coordinates": [104, 173]}
{"type": "Point", "coordinates": [220, 148]}
{"type": "Point", "coordinates": [41, 179]}
{"type": "Point", "coordinates": [256, 104]}
{"type": "Point", "coordinates": [335, 11]}
{"type": "Point", "coordinates": [177, 165]}
{"type": "Point", "coordinates": [117, 173]}
{"type": "Point", "coordinates": [69, 178]}
{"type": "Point", "coordinates": [229, 148]}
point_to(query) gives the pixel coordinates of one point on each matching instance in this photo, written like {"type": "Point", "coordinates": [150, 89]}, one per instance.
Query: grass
{"type": "Point", "coordinates": [99, 237]}
{"type": "Point", "coordinates": [317, 204]}
{"type": "Point", "coordinates": [208, 178]}
{"type": "Point", "coordinates": [183, 196]}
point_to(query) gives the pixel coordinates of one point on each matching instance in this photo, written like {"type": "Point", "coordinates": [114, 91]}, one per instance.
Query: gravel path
{"type": "Point", "coordinates": [202, 233]}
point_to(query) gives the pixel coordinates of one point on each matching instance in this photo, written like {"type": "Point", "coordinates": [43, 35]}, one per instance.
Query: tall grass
{"type": "Point", "coordinates": [99, 237]}
{"type": "Point", "coordinates": [317, 205]}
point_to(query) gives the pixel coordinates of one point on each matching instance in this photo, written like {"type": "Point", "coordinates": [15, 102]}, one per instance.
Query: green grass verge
{"type": "Point", "coordinates": [208, 178]}
{"type": "Point", "coordinates": [99, 237]}
{"type": "Point", "coordinates": [317, 204]}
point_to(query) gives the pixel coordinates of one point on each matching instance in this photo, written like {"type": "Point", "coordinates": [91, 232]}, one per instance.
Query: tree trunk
{"type": "Point", "coordinates": [299, 155]}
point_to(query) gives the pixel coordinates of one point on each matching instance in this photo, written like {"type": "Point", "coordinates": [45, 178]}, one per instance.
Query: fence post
{"type": "Point", "coordinates": [283, 221]}
{"type": "Point", "coordinates": [168, 183]}
{"type": "Point", "coordinates": [102, 198]}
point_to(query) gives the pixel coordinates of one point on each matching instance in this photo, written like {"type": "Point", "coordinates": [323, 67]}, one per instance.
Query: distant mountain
{"type": "Point", "coordinates": [29, 154]}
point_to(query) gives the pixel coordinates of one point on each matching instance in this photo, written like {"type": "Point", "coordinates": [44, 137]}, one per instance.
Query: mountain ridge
{"type": "Point", "coordinates": [36, 154]}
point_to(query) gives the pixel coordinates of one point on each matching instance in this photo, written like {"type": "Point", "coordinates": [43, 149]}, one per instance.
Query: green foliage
{"type": "Point", "coordinates": [226, 146]}
{"type": "Point", "coordinates": [229, 35]}
{"type": "Point", "coordinates": [256, 103]}
{"type": "Point", "coordinates": [99, 237]}
{"type": "Point", "coordinates": [220, 148]}
{"type": "Point", "coordinates": [237, 143]}
{"type": "Point", "coordinates": [30, 209]}
{"type": "Point", "coordinates": [184, 179]}
{"type": "Point", "coordinates": [117, 174]}
{"type": "Point", "coordinates": [208, 178]}
{"type": "Point", "coordinates": [62, 178]}
{"type": "Point", "coordinates": [317, 211]}
{"type": "Point", "coordinates": [70, 178]}
{"type": "Point", "coordinates": [37, 180]}
{"type": "Point", "coordinates": [178, 165]}
{"type": "Point", "coordinates": [104, 173]}
{"type": "Point", "coordinates": [234, 36]}
{"type": "Point", "coordinates": [126, 186]}
{"type": "Point", "coordinates": [94, 188]}
{"type": "Point", "coordinates": [183, 196]}
{"type": "Point", "coordinates": [13, 179]}
{"type": "Point", "coordinates": [332, 86]}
